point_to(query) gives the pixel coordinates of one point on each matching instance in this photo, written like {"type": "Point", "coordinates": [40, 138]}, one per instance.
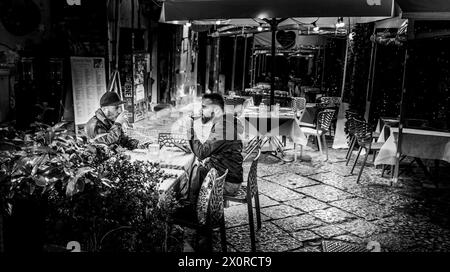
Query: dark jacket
{"type": "Point", "coordinates": [104, 131]}
{"type": "Point", "coordinates": [222, 149]}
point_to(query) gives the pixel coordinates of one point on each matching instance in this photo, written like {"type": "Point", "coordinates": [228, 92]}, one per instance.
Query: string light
{"type": "Point", "coordinates": [218, 22]}
{"type": "Point", "coordinates": [189, 24]}
{"type": "Point", "coordinates": [260, 28]}
{"type": "Point", "coordinates": [340, 22]}
{"type": "Point", "coordinates": [316, 28]}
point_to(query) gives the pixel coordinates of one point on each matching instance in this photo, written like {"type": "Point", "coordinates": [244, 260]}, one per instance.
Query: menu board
{"type": "Point", "coordinates": [88, 85]}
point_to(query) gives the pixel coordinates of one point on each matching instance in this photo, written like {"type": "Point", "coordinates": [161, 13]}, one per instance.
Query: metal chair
{"type": "Point", "coordinates": [234, 101]}
{"type": "Point", "coordinates": [298, 106]}
{"type": "Point", "coordinates": [324, 119]}
{"type": "Point", "coordinates": [350, 126]}
{"type": "Point", "coordinates": [209, 213]}
{"type": "Point", "coordinates": [237, 103]}
{"type": "Point", "coordinates": [363, 134]}
{"type": "Point", "coordinates": [245, 195]}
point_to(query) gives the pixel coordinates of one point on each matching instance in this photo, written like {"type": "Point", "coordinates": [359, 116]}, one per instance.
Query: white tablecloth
{"type": "Point", "coordinates": [271, 124]}
{"type": "Point", "coordinates": [172, 162]}
{"type": "Point", "coordinates": [424, 144]}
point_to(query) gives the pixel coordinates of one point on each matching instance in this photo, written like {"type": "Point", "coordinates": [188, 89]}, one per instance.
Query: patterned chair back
{"type": "Point", "coordinates": [363, 133]}
{"type": "Point", "coordinates": [234, 101]}
{"type": "Point", "coordinates": [329, 102]}
{"type": "Point", "coordinates": [324, 119]}
{"type": "Point", "coordinates": [170, 139]}
{"type": "Point", "coordinates": [350, 123]}
{"type": "Point", "coordinates": [298, 103]}
{"type": "Point", "coordinates": [210, 199]}
{"type": "Point", "coordinates": [252, 183]}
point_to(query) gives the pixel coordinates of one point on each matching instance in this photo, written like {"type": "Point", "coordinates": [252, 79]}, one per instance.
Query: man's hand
{"type": "Point", "coordinates": [122, 118]}
{"type": "Point", "coordinates": [190, 128]}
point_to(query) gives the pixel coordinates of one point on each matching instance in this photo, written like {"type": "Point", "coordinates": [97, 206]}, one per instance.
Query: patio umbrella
{"type": "Point", "coordinates": [272, 13]}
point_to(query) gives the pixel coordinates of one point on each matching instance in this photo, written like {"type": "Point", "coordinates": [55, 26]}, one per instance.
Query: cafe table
{"type": "Point", "coordinates": [416, 143]}
{"type": "Point", "coordinates": [269, 125]}
{"type": "Point", "coordinates": [172, 160]}
{"type": "Point", "coordinates": [308, 118]}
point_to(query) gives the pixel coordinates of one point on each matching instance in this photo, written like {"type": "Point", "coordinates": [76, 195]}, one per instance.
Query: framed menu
{"type": "Point", "coordinates": [88, 85]}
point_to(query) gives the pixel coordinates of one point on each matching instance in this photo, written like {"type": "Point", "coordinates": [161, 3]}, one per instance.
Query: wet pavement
{"type": "Point", "coordinates": [304, 203]}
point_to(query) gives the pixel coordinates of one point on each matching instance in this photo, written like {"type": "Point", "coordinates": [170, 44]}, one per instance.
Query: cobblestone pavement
{"type": "Point", "coordinates": [306, 202]}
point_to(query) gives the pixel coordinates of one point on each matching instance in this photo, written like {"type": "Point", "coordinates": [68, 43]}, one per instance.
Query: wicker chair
{"type": "Point", "coordinates": [364, 137]}
{"type": "Point", "coordinates": [246, 195]}
{"type": "Point", "coordinates": [209, 214]}
{"type": "Point", "coordinates": [324, 119]}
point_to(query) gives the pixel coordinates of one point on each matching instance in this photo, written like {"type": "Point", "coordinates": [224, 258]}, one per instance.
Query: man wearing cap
{"type": "Point", "coordinates": [106, 125]}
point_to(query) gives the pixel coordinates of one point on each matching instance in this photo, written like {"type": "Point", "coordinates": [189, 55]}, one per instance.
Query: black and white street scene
{"type": "Point", "coordinates": [256, 126]}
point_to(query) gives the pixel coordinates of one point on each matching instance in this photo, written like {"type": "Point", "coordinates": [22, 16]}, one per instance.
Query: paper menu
{"type": "Point", "coordinates": [88, 85]}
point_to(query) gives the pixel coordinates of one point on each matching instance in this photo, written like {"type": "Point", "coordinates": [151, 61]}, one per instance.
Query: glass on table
{"type": "Point", "coordinates": [153, 152]}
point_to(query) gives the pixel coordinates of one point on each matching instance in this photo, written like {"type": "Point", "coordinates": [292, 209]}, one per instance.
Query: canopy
{"type": "Point", "coordinates": [425, 9]}
{"type": "Point", "coordinates": [176, 10]}
{"type": "Point", "coordinates": [289, 12]}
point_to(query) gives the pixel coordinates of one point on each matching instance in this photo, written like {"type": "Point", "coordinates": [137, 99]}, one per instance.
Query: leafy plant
{"type": "Point", "coordinates": [121, 211]}
{"type": "Point", "coordinates": [95, 195]}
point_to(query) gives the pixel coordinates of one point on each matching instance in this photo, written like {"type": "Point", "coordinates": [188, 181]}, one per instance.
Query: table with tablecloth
{"type": "Point", "coordinates": [271, 125]}
{"type": "Point", "coordinates": [172, 160]}
{"type": "Point", "coordinates": [417, 143]}
{"type": "Point", "coordinates": [309, 115]}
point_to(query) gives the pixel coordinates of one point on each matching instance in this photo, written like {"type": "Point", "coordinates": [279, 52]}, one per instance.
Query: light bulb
{"type": "Point", "coordinates": [188, 24]}
{"type": "Point", "coordinates": [260, 28]}
{"type": "Point", "coordinates": [316, 29]}
{"type": "Point", "coordinates": [218, 22]}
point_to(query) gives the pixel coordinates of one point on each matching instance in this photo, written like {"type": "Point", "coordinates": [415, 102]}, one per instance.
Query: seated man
{"type": "Point", "coordinates": [106, 126]}
{"type": "Point", "coordinates": [222, 150]}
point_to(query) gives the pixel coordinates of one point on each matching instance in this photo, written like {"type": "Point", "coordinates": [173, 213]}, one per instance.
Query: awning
{"type": "Point", "coordinates": [395, 22]}
{"type": "Point", "coordinates": [425, 9]}
{"type": "Point", "coordinates": [176, 10]}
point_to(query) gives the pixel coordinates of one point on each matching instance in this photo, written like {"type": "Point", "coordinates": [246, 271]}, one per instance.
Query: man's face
{"type": "Point", "coordinates": [112, 112]}
{"type": "Point", "coordinates": [207, 110]}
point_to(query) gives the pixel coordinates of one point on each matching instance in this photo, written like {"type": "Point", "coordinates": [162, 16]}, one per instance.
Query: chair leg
{"type": "Point", "coordinates": [319, 144]}
{"type": "Point", "coordinates": [258, 211]}
{"type": "Point", "coordinates": [362, 167]}
{"type": "Point", "coordinates": [356, 160]}
{"type": "Point", "coordinates": [351, 150]}
{"type": "Point", "coordinates": [374, 155]}
{"type": "Point", "coordinates": [251, 225]}
{"type": "Point", "coordinates": [325, 146]}
{"type": "Point", "coordinates": [223, 235]}
{"type": "Point", "coordinates": [384, 169]}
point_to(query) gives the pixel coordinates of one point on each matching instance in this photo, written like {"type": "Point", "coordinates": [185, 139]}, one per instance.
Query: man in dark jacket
{"type": "Point", "coordinates": [106, 125]}
{"type": "Point", "coordinates": [222, 150]}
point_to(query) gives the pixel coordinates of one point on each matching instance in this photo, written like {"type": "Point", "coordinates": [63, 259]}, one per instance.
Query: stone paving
{"type": "Point", "coordinates": [306, 202]}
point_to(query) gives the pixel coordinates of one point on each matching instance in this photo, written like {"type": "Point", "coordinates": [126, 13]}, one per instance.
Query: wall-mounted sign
{"type": "Point", "coordinates": [286, 38]}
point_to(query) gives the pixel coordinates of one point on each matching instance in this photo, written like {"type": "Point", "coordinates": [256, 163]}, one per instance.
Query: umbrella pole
{"type": "Point", "coordinates": [244, 72]}
{"type": "Point", "coordinates": [233, 72]}
{"type": "Point", "coordinates": [369, 80]}
{"type": "Point", "coordinates": [273, 26]}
